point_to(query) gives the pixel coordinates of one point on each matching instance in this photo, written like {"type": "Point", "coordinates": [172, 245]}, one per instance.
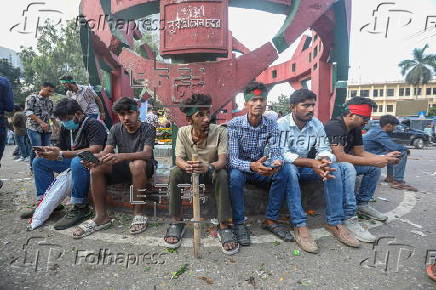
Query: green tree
{"type": "Point", "coordinates": [13, 74]}
{"type": "Point", "coordinates": [282, 105]}
{"type": "Point", "coordinates": [431, 112]}
{"type": "Point", "coordinates": [420, 69]}
{"type": "Point", "coordinates": [58, 52]}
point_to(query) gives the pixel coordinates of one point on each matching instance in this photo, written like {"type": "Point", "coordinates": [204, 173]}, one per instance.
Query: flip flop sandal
{"type": "Point", "coordinates": [227, 236]}
{"type": "Point", "coordinates": [431, 272]}
{"type": "Point", "coordinates": [138, 220]}
{"type": "Point", "coordinates": [89, 227]}
{"type": "Point", "coordinates": [175, 231]}
{"type": "Point", "coordinates": [279, 231]}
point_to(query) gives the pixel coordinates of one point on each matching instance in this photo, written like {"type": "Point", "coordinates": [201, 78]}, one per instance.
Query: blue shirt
{"type": "Point", "coordinates": [378, 142]}
{"type": "Point", "coordinates": [297, 143]}
{"type": "Point", "coordinates": [247, 144]}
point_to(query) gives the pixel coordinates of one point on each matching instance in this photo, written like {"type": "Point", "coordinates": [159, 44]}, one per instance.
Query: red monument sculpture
{"type": "Point", "coordinates": [198, 47]}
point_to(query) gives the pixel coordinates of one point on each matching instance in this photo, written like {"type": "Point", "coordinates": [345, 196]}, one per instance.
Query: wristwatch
{"type": "Point", "coordinates": [211, 168]}
{"type": "Point", "coordinates": [60, 157]}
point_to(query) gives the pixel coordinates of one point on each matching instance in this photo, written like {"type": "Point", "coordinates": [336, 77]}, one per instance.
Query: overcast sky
{"type": "Point", "coordinates": [375, 50]}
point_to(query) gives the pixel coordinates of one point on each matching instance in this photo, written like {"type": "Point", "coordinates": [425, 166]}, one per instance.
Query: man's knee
{"type": "Point", "coordinates": [221, 176]}
{"type": "Point", "coordinates": [176, 174]}
{"type": "Point", "coordinates": [37, 163]}
{"type": "Point", "coordinates": [76, 164]}
{"type": "Point", "coordinates": [137, 167]}
{"type": "Point", "coordinates": [236, 175]}
{"type": "Point", "coordinates": [347, 169]}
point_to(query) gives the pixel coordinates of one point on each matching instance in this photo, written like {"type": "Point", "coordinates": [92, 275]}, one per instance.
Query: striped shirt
{"type": "Point", "coordinates": [85, 96]}
{"type": "Point", "coordinates": [247, 144]}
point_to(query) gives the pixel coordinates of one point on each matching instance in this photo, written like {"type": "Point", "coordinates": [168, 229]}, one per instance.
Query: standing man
{"type": "Point", "coordinates": [211, 143]}
{"type": "Point", "coordinates": [86, 97]}
{"type": "Point", "coordinates": [78, 133]}
{"type": "Point", "coordinates": [39, 111]}
{"type": "Point", "coordinates": [133, 163]}
{"type": "Point", "coordinates": [6, 104]}
{"type": "Point", "coordinates": [378, 141]}
{"type": "Point", "coordinates": [248, 137]}
{"type": "Point", "coordinates": [345, 135]}
{"type": "Point", "coordinates": [21, 138]}
{"type": "Point", "coordinates": [301, 134]}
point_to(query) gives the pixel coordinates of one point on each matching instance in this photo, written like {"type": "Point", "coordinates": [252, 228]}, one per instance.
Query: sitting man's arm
{"type": "Point", "coordinates": [360, 157]}
{"type": "Point", "coordinates": [235, 161]}
{"type": "Point", "coordinates": [388, 144]}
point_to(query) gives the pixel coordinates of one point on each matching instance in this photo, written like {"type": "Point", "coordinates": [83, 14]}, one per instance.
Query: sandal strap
{"type": "Point", "coordinates": [242, 231]}
{"type": "Point", "coordinates": [226, 236]}
{"type": "Point", "coordinates": [139, 220]}
{"type": "Point", "coordinates": [88, 226]}
{"type": "Point", "coordinates": [175, 231]}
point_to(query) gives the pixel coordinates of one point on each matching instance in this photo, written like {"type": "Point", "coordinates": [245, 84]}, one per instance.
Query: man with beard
{"type": "Point", "coordinates": [378, 141]}
{"type": "Point", "coordinates": [249, 135]}
{"type": "Point", "coordinates": [302, 135]}
{"type": "Point", "coordinates": [345, 135]}
{"type": "Point", "coordinates": [209, 141]}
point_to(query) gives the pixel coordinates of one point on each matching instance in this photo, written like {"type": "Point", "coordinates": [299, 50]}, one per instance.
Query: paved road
{"type": "Point", "coordinates": [47, 259]}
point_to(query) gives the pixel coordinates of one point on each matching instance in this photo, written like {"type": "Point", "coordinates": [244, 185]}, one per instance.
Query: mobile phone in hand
{"type": "Point", "coordinates": [88, 157]}
{"type": "Point", "coordinates": [269, 165]}
{"type": "Point", "coordinates": [38, 148]}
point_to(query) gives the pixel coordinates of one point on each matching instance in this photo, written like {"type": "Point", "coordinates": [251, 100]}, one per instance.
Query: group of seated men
{"type": "Point", "coordinates": [252, 149]}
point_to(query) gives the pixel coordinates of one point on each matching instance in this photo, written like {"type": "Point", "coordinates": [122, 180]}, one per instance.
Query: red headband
{"type": "Point", "coordinates": [361, 110]}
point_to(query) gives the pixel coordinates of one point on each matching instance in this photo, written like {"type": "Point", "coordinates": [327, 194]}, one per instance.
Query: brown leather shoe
{"type": "Point", "coordinates": [343, 235]}
{"type": "Point", "coordinates": [304, 240]}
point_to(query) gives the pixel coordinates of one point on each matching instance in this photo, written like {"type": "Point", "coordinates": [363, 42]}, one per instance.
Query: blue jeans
{"type": "Point", "coordinates": [3, 139]}
{"type": "Point", "coordinates": [333, 195]}
{"type": "Point", "coordinates": [24, 146]}
{"type": "Point", "coordinates": [277, 193]}
{"type": "Point", "coordinates": [397, 170]}
{"type": "Point", "coordinates": [37, 139]}
{"type": "Point", "coordinates": [44, 175]}
{"type": "Point", "coordinates": [371, 176]}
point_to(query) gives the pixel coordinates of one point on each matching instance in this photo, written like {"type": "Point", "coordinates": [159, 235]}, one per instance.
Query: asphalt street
{"type": "Point", "coordinates": [49, 259]}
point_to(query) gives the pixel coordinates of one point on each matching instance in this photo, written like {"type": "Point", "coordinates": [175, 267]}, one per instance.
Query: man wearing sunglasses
{"type": "Point", "coordinates": [345, 136]}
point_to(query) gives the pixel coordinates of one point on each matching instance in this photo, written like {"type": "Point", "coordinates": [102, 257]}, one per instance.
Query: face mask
{"type": "Point", "coordinates": [70, 125]}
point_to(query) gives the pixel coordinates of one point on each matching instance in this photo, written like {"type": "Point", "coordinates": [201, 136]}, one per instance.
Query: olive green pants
{"type": "Point", "coordinates": [219, 181]}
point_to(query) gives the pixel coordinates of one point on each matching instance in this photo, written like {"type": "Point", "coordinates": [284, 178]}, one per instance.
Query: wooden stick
{"type": "Point", "coordinates": [196, 208]}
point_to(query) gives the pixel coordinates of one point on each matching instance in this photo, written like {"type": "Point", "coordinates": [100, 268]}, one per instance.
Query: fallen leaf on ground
{"type": "Point", "coordinates": [208, 280]}
{"type": "Point", "coordinates": [276, 243]}
{"type": "Point", "coordinates": [171, 251]}
{"type": "Point", "coordinates": [179, 272]}
{"type": "Point", "coordinates": [147, 268]}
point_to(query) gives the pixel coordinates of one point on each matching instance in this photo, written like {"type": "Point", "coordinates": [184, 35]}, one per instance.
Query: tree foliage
{"type": "Point", "coordinates": [431, 112]}
{"type": "Point", "coordinates": [282, 105]}
{"type": "Point", "coordinates": [420, 69]}
{"type": "Point", "coordinates": [58, 52]}
{"type": "Point", "coordinates": [13, 74]}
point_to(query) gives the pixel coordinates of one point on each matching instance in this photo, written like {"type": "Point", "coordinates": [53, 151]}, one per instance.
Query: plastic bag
{"type": "Point", "coordinates": [54, 195]}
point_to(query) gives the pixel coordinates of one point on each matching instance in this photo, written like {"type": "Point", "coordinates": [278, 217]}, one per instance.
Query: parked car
{"type": "Point", "coordinates": [405, 135]}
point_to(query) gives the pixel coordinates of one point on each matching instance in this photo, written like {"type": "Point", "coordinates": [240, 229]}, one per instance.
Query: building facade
{"type": "Point", "coordinates": [390, 96]}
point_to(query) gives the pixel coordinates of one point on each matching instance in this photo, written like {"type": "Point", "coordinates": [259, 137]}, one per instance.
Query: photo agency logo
{"type": "Point", "coordinates": [389, 18]}
{"type": "Point", "coordinates": [35, 16]}
{"type": "Point", "coordinates": [40, 255]}
{"type": "Point", "coordinates": [388, 255]}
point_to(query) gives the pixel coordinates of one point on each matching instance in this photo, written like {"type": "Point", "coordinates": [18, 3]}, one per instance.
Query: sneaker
{"type": "Point", "coordinates": [343, 235]}
{"type": "Point", "coordinates": [304, 240]}
{"type": "Point", "coordinates": [19, 159]}
{"type": "Point", "coordinates": [28, 213]}
{"type": "Point", "coordinates": [358, 231]}
{"type": "Point", "coordinates": [27, 159]}
{"type": "Point", "coordinates": [75, 215]}
{"type": "Point", "coordinates": [370, 212]}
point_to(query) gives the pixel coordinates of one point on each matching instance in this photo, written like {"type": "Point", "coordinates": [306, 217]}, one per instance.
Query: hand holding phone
{"type": "Point", "coordinates": [38, 148]}
{"type": "Point", "coordinates": [88, 156]}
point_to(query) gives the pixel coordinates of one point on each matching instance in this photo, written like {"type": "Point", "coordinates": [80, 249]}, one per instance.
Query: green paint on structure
{"type": "Point", "coordinates": [279, 40]}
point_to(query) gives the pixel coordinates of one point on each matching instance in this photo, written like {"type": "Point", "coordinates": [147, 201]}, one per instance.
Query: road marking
{"type": "Point", "coordinates": [405, 207]}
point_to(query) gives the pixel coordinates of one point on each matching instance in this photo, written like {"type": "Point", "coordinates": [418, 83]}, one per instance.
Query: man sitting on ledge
{"type": "Point", "coordinates": [133, 163]}
{"type": "Point", "coordinates": [249, 135]}
{"type": "Point", "coordinates": [302, 135]}
{"type": "Point", "coordinates": [345, 135]}
{"type": "Point", "coordinates": [210, 141]}
{"type": "Point", "coordinates": [78, 133]}
{"type": "Point", "coordinates": [378, 141]}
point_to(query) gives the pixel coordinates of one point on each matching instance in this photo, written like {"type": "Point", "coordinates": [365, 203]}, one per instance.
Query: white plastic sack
{"type": "Point", "coordinates": [54, 195]}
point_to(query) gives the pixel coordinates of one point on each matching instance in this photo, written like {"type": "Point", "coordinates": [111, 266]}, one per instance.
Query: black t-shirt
{"type": "Point", "coordinates": [92, 133]}
{"type": "Point", "coordinates": [337, 133]}
{"type": "Point", "coordinates": [131, 142]}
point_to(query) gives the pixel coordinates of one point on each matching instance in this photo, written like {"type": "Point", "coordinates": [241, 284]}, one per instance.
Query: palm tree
{"type": "Point", "coordinates": [420, 69]}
